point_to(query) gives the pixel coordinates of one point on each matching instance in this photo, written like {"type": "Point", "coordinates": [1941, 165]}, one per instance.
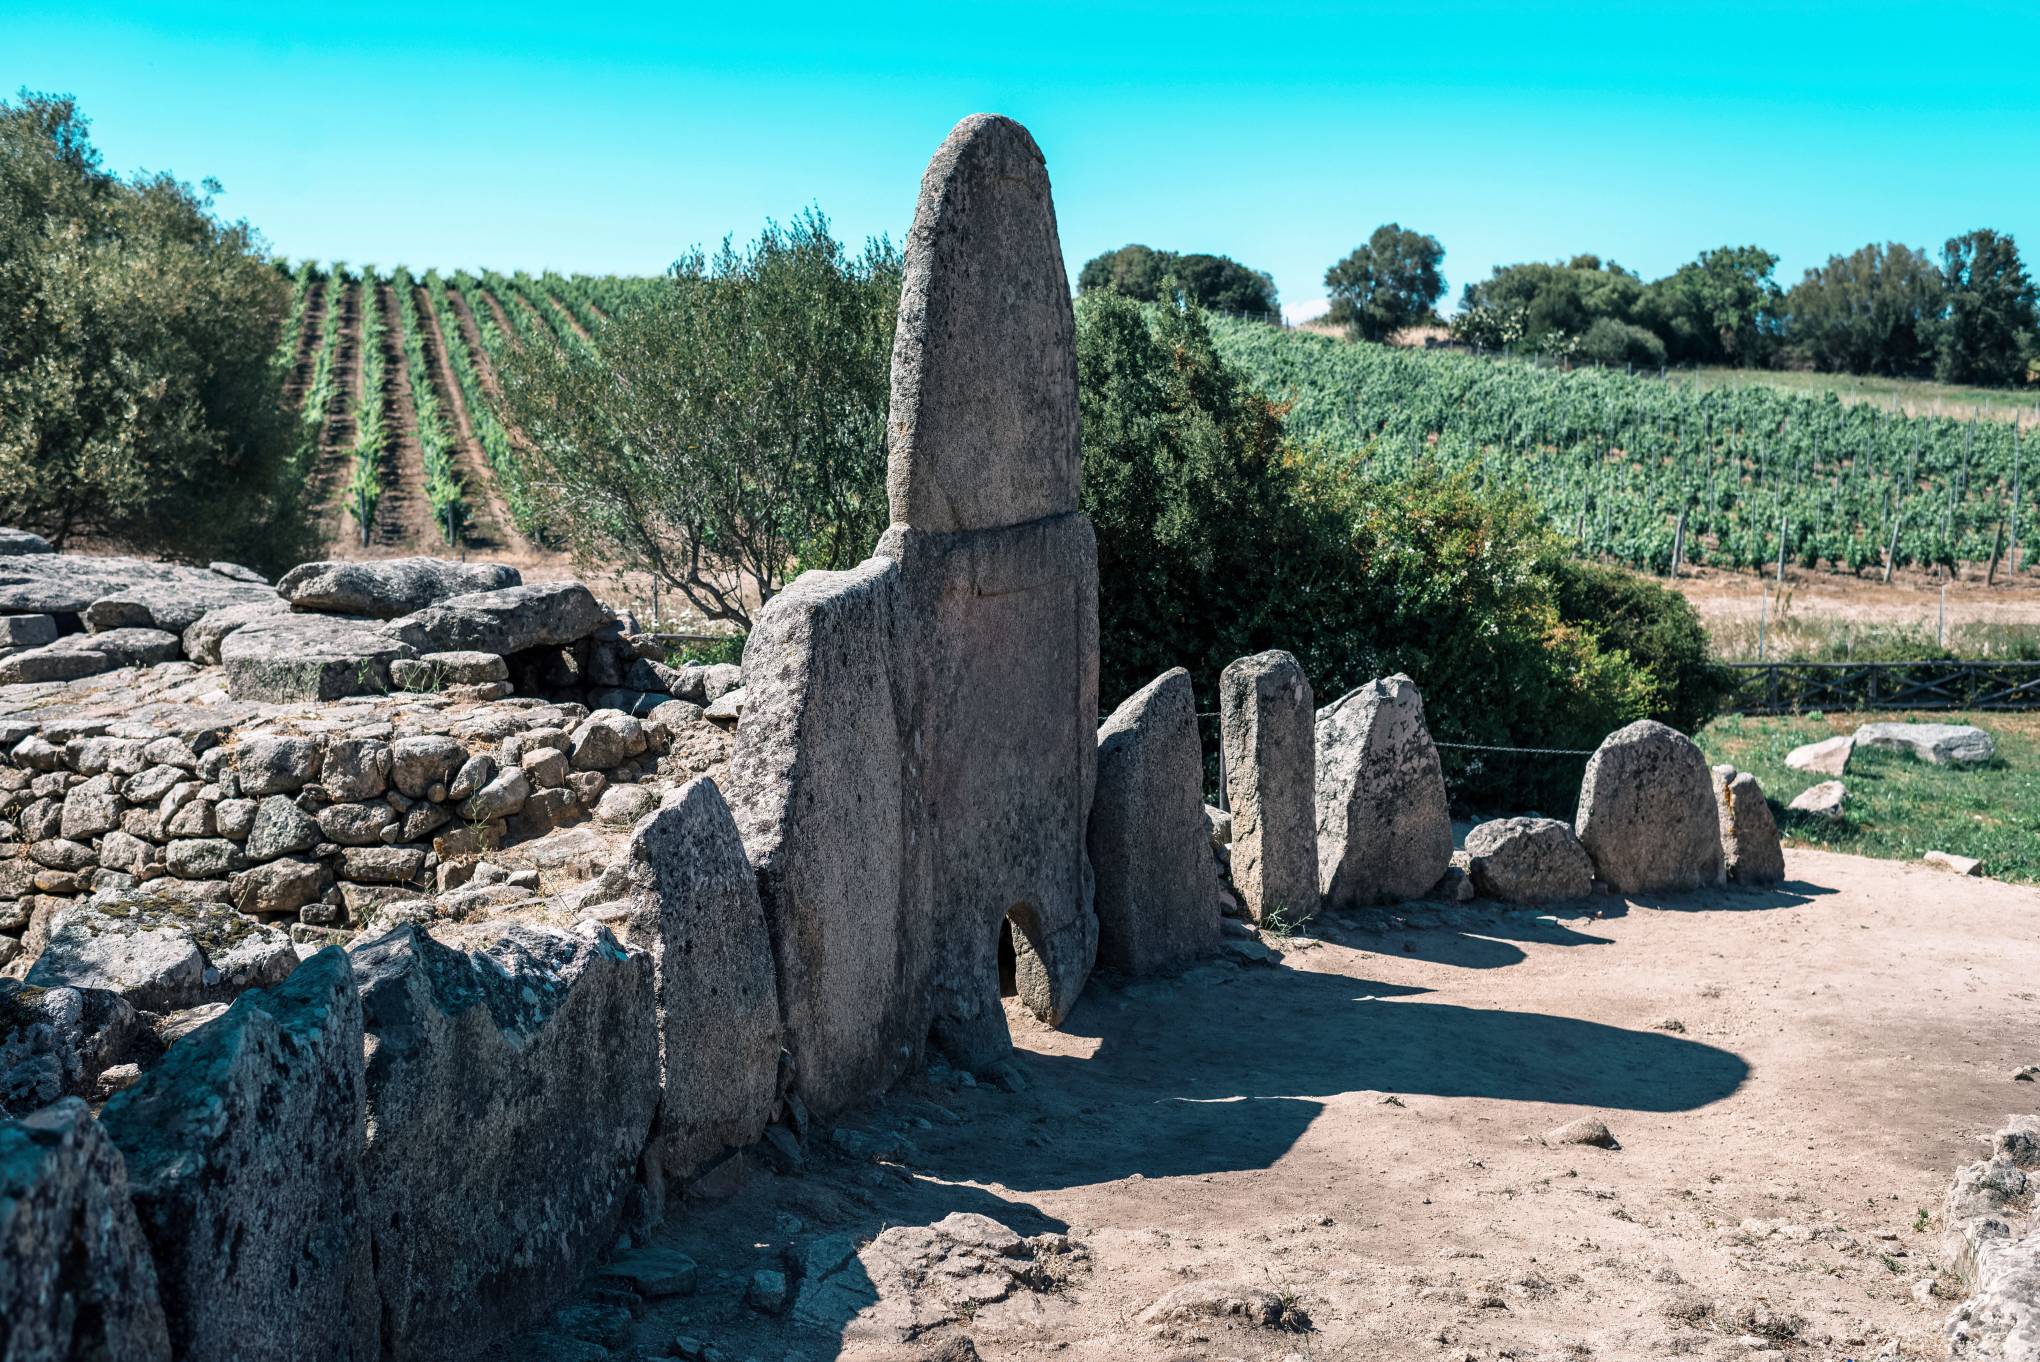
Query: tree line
{"type": "Point", "coordinates": [1969, 315]}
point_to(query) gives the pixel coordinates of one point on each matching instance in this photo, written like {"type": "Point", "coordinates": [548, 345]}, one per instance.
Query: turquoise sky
{"type": "Point", "coordinates": [609, 138]}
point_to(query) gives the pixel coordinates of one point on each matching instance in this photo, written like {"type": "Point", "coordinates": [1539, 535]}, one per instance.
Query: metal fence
{"type": "Point", "coordinates": [1794, 687]}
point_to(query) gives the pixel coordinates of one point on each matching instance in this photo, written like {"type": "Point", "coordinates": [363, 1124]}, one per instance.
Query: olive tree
{"type": "Point", "coordinates": [727, 431]}
{"type": "Point", "coordinates": [139, 374]}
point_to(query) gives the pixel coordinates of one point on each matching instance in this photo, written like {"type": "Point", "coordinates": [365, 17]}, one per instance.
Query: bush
{"type": "Point", "coordinates": [731, 432]}
{"type": "Point", "coordinates": [1656, 627]}
{"type": "Point", "coordinates": [138, 358]}
{"type": "Point", "coordinates": [1617, 344]}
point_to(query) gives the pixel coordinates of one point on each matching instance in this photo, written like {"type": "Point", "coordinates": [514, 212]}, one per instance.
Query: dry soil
{"type": "Point", "coordinates": [1792, 1075]}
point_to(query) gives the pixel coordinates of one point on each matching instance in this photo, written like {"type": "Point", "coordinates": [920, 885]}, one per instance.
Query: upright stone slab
{"type": "Point", "coordinates": [243, 1149]}
{"type": "Point", "coordinates": [1384, 831]}
{"type": "Point", "coordinates": [1751, 850]}
{"type": "Point", "coordinates": [75, 1275]}
{"type": "Point", "coordinates": [816, 787]}
{"type": "Point", "coordinates": [1647, 813]}
{"type": "Point", "coordinates": [694, 910]}
{"type": "Point", "coordinates": [1266, 727]}
{"type": "Point", "coordinates": [975, 633]}
{"type": "Point", "coordinates": [512, 1078]}
{"type": "Point", "coordinates": [1150, 844]}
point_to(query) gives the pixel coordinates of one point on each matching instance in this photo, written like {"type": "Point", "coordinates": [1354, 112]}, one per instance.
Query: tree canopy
{"type": "Point", "coordinates": [730, 433]}
{"type": "Point", "coordinates": [1392, 282]}
{"type": "Point", "coordinates": [1216, 282]}
{"type": "Point", "coordinates": [139, 373]}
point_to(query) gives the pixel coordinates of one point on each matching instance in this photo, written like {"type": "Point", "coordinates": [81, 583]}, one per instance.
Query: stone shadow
{"type": "Point", "coordinates": [1222, 1069]}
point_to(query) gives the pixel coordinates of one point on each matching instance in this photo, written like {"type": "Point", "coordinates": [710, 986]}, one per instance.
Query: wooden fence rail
{"type": "Point", "coordinates": [1793, 687]}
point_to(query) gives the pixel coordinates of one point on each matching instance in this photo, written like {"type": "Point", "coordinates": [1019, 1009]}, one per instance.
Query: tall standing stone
{"type": "Point", "coordinates": [1266, 726]}
{"type": "Point", "coordinates": [1384, 829]}
{"type": "Point", "coordinates": [243, 1149]}
{"type": "Point", "coordinates": [694, 909]}
{"type": "Point", "coordinates": [1150, 844]}
{"type": "Point", "coordinates": [978, 622]}
{"type": "Point", "coordinates": [1647, 813]}
{"type": "Point", "coordinates": [75, 1275]}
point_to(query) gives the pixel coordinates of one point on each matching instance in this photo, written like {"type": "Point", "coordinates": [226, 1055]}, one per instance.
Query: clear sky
{"type": "Point", "coordinates": [608, 139]}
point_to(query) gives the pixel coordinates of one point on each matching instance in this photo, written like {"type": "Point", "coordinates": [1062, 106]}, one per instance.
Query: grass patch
{"type": "Point", "coordinates": [1899, 808]}
{"type": "Point", "coordinates": [1917, 396]}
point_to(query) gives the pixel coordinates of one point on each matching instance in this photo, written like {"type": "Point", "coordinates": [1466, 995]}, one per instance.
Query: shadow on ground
{"type": "Point", "coordinates": [1220, 1070]}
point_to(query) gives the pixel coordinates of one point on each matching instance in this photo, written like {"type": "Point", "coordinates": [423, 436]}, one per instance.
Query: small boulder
{"type": "Point", "coordinates": [285, 657]}
{"type": "Point", "coordinates": [18, 543]}
{"type": "Point", "coordinates": [1528, 860]}
{"type": "Point", "coordinates": [1587, 1130]}
{"type": "Point", "coordinates": [1938, 744]}
{"type": "Point", "coordinates": [437, 671]}
{"type": "Point", "coordinates": [1828, 757]}
{"type": "Point", "coordinates": [1820, 801]}
{"type": "Point", "coordinates": [1953, 864]}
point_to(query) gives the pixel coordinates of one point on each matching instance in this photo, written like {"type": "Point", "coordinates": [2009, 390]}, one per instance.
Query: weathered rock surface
{"type": "Point", "coordinates": [1821, 801]}
{"type": "Point", "coordinates": [76, 1280]}
{"type": "Point", "coordinates": [1647, 813]}
{"type": "Point", "coordinates": [436, 671]}
{"type": "Point", "coordinates": [1992, 1243]}
{"type": "Point", "coordinates": [203, 637]}
{"type": "Point", "coordinates": [512, 1077]}
{"type": "Point", "coordinates": [1953, 864]}
{"type": "Point", "coordinates": [159, 953]}
{"type": "Point", "coordinates": [503, 621]}
{"type": "Point", "coordinates": [1384, 830]}
{"type": "Point", "coordinates": [172, 606]}
{"type": "Point", "coordinates": [78, 655]}
{"type": "Point", "coordinates": [289, 656]}
{"type": "Point", "coordinates": [388, 587]}
{"type": "Point", "coordinates": [27, 631]}
{"type": "Point", "coordinates": [817, 791]}
{"type": "Point", "coordinates": [982, 427]}
{"type": "Point", "coordinates": [1828, 757]}
{"type": "Point", "coordinates": [14, 543]}
{"type": "Point", "coordinates": [1528, 860]}
{"type": "Point", "coordinates": [694, 909]}
{"type": "Point", "coordinates": [1750, 847]}
{"type": "Point", "coordinates": [56, 1042]}
{"type": "Point", "coordinates": [1938, 744]}
{"type": "Point", "coordinates": [1149, 843]}
{"type": "Point", "coordinates": [1267, 726]}
{"type": "Point", "coordinates": [66, 584]}
{"type": "Point", "coordinates": [243, 1149]}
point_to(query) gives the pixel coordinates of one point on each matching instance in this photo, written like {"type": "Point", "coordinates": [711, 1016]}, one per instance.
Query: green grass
{"type": "Point", "coordinates": [1917, 396]}
{"type": "Point", "coordinates": [1898, 808]}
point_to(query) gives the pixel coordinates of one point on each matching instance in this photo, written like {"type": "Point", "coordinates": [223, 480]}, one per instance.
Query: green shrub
{"type": "Point", "coordinates": [1658, 629]}
{"type": "Point", "coordinates": [1617, 344]}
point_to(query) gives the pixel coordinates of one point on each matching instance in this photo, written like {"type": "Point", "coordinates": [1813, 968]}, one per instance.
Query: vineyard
{"type": "Point", "coordinates": [1646, 472]}
{"type": "Point", "coordinates": [393, 379]}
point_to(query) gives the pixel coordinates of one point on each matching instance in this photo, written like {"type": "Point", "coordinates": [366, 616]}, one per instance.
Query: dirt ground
{"type": "Point", "coordinates": [1912, 598]}
{"type": "Point", "coordinates": [1793, 1075]}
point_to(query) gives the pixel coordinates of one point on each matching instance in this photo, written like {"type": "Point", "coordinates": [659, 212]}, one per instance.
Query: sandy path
{"type": "Point", "coordinates": [1846, 1042]}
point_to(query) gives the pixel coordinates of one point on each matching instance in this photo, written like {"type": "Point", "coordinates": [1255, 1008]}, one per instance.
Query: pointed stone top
{"type": "Point", "coordinates": [983, 427]}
